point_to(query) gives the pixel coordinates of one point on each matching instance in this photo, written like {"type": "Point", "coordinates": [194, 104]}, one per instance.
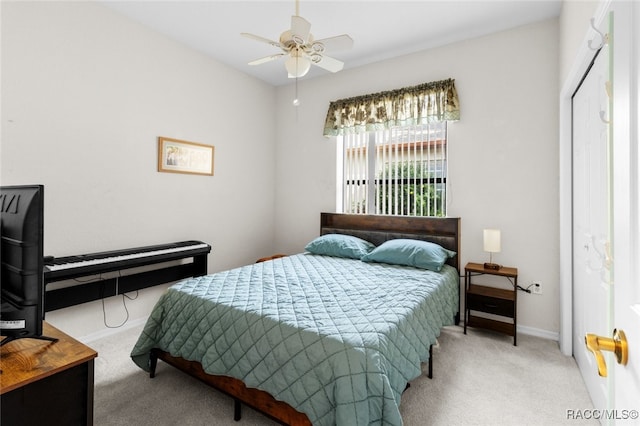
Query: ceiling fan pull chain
{"type": "Point", "coordinates": [296, 100]}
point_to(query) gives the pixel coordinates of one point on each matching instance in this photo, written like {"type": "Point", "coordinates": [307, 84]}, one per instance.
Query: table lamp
{"type": "Point", "coordinates": [492, 245]}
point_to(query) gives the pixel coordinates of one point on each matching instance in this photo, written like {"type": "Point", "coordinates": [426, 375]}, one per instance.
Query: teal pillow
{"type": "Point", "coordinates": [340, 245]}
{"type": "Point", "coordinates": [407, 252]}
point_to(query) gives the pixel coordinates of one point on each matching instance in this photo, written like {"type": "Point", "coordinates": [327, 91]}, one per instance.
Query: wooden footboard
{"type": "Point", "coordinates": [254, 398]}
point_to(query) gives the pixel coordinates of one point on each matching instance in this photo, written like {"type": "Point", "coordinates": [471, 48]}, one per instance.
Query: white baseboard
{"type": "Point", "coordinates": [538, 332]}
{"type": "Point", "coordinates": [111, 331]}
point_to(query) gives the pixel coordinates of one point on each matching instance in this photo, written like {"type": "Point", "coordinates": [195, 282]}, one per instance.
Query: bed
{"type": "Point", "coordinates": [317, 337]}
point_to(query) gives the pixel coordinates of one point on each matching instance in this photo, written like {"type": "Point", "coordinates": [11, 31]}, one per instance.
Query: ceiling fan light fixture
{"type": "Point", "coordinates": [297, 66]}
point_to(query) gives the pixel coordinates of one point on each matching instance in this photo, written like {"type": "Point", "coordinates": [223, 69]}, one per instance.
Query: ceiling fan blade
{"type": "Point", "coordinates": [328, 63]}
{"type": "Point", "coordinates": [266, 59]}
{"type": "Point", "coordinates": [301, 28]}
{"type": "Point", "coordinates": [261, 39]}
{"type": "Point", "coordinates": [341, 42]}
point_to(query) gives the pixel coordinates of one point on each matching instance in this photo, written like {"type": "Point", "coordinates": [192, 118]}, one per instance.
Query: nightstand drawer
{"type": "Point", "coordinates": [490, 305]}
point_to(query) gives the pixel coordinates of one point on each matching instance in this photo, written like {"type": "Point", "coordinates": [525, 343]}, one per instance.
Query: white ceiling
{"type": "Point", "coordinates": [381, 29]}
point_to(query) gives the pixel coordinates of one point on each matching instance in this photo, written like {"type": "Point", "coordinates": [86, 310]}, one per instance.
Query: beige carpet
{"type": "Point", "coordinates": [479, 379]}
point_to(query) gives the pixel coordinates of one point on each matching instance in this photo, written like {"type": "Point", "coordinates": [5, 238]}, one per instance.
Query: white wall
{"type": "Point", "coordinates": [85, 94]}
{"type": "Point", "coordinates": [503, 158]}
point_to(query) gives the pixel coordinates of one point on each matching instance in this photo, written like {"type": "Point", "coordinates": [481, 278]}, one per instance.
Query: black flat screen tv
{"type": "Point", "coordinates": [21, 256]}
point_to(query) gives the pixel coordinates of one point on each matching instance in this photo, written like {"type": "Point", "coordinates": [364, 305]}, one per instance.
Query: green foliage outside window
{"type": "Point", "coordinates": [412, 189]}
{"type": "Point", "coordinates": [409, 190]}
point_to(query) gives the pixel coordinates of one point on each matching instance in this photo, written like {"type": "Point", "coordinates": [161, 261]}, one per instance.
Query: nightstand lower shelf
{"type": "Point", "coordinates": [493, 325]}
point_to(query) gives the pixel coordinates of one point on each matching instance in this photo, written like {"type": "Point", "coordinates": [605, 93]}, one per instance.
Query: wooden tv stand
{"type": "Point", "coordinates": [42, 380]}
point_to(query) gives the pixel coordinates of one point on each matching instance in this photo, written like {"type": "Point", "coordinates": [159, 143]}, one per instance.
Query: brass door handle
{"type": "Point", "coordinates": [617, 345]}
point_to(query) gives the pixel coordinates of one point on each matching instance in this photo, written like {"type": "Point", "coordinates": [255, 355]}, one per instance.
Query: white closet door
{"type": "Point", "coordinates": [592, 289]}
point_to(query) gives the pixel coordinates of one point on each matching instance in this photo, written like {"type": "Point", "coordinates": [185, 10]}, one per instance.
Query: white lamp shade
{"type": "Point", "coordinates": [297, 66]}
{"type": "Point", "coordinates": [492, 240]}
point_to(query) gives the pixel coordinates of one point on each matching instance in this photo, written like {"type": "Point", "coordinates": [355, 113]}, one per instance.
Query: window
{"type": "Point", "coordinates": [398, 171]}
{"type": "Point", "coordinates": [392, 149]}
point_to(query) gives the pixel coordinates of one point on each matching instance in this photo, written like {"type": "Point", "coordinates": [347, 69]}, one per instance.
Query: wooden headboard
{"type": "Point", "coordinates": [380, 228]}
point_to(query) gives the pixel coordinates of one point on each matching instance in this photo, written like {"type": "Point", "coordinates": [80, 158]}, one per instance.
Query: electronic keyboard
{"type": "Point", "coordinates": [68, 267]}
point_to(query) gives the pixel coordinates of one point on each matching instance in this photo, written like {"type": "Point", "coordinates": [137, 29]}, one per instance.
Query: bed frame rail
{"type": "Point", "coordinates": [259, 400]}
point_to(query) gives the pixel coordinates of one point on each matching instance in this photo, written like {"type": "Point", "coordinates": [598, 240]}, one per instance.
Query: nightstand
{"type": "Point", "coordinates": [491, 300]}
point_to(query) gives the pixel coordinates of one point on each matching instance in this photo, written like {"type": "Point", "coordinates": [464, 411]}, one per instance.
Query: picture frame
{"type": "Point", "coordinates": [178, 156]}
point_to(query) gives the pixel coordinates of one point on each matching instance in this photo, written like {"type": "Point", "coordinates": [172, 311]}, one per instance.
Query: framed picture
{"type": "Point", "coordinates": [176, 156]}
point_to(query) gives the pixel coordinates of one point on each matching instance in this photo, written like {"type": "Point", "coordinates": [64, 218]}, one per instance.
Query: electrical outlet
{"type": "Point", "coordinates": [536, 287]}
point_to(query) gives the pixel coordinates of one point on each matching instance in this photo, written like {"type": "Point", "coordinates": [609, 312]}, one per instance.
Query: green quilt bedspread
{"type": "Point", "coordinates": [337, 339]}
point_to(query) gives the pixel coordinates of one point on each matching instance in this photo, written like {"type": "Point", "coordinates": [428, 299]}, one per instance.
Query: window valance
{"type": "Point", "coordinates": [425, 103]}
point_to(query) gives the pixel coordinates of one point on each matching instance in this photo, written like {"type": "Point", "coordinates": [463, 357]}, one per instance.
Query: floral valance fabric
{"type": "Point", "coordinates": [425, 103]}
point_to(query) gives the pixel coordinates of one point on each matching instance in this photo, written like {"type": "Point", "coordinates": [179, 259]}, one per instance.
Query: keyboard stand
{"type": "Point", "coordinates": [94, 286]}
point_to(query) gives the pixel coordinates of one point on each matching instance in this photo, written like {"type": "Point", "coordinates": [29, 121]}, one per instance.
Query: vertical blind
{"type": "Point", "coordinates": [398, 171]}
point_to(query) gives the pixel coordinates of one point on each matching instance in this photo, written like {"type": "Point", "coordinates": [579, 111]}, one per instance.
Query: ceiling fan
{"type": "Point", "coordinates": [302, 50]}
